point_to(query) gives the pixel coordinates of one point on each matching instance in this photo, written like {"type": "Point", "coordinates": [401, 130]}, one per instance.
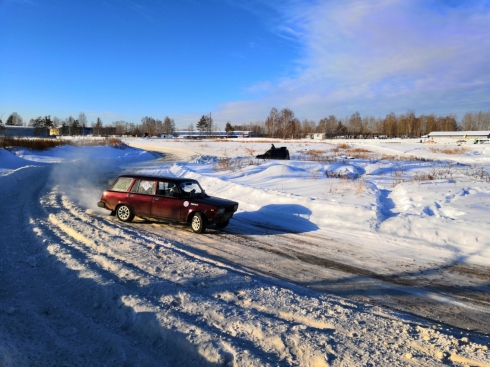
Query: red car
{"type": "Point", "coordinates": [167, 198]}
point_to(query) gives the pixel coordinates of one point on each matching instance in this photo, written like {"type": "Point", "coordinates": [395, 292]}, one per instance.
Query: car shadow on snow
{"type": "Point", "coordinates": [270, 219]}
{"type": "Point", "coordinates": [273, 219]}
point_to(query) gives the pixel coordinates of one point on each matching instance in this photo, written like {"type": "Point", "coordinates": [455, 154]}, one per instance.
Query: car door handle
{"type": "Point", "coordinates": [155, 199]}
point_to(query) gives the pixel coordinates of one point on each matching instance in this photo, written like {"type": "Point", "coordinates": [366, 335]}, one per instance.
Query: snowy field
{"type": "Point", "coordinates": [331, 259]}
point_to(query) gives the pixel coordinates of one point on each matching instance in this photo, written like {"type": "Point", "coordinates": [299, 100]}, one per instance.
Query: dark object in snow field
{"type": "Point", "coordinates": [168, 198]}
{"type": "Point", "coordinates": [275, 153]}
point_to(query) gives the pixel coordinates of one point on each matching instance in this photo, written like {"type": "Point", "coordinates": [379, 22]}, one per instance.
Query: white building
{"type": "Point", "coordinates": [460, 135]}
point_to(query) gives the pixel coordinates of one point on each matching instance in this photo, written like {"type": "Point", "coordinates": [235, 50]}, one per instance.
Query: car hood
{"type": "Point", "coordinates": [213, 201]}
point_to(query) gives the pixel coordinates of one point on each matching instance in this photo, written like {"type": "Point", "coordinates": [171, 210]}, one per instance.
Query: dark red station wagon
{"type": "Point", "coordinates": [166, 198]}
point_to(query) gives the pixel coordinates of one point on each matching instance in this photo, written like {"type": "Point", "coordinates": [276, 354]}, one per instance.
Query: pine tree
{"type": "Point", "coordinates": [203, 124]}
{"type": "Point", "coordinates": [229, 129]}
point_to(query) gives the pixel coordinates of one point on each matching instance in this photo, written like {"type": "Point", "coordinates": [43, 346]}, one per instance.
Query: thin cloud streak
{"type": "Point", "coordinates": [392, 55]}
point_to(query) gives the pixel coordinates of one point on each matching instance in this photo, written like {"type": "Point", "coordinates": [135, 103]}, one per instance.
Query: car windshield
{"type": "Point", "coordinates": [191, 189]}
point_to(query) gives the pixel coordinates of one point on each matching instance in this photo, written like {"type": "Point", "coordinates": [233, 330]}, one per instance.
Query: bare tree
{"type": "Point", "coordinates": [468, 122]}
{"type": "Point", "coordinates": [355, 124]}
{"type": "Point", "coordinates": [56, 122]}
{"type": "Point", "coordinates": [480, 121]}
{"type": "Point", "coordinates": [307, 127]}
{"type": "Point", "coordinates": [486, 121]}
{"type": "Point", "coordinates": [121, 127]}
{"type": "Point", "coordinates": [285, 123]}
{"type": "Point", "coordinates": [82, 120]}
{"type": "Point", "coordinates": [271, 123]}
{"type": "Point", "coordinates": [168, 126]}
{"type": "Point", "coordinates": [293, 128]}
{"type": "Point", "coordinates": [329, 125]}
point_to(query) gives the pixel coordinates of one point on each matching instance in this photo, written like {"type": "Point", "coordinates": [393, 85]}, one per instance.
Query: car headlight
{"type": "Point", "coordinates": [221, 211]}
{"type": "Point", "coordinates": [235, 208]}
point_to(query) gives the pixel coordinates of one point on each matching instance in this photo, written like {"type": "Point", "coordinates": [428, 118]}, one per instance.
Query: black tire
{"type": "Point", "coordinates": [124, 213]}
{"type": "Point", "coordinates": [198, 223]}
{"type": "Point", "coordinates": [222, 224]}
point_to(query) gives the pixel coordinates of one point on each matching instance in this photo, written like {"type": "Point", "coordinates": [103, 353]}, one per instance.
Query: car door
{"type": "Point", "coordinates": [167, 203]}
{"type": "Point", "coordinates": [141, 195]}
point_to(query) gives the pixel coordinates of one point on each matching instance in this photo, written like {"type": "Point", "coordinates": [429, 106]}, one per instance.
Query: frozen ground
{"type": "Point", "coordinates": [315, 269]}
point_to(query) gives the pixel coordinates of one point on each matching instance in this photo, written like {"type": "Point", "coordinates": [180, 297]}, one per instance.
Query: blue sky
{"type": "Point", "coordinates": [126, 59]}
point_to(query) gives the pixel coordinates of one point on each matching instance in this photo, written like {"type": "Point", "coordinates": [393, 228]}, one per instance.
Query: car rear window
{"type": "Point", "coordinates": [122, 184]}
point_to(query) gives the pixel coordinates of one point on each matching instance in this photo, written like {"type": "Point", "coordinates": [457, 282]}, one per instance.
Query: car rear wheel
{"type": "Point", "coordinates": [222, 224]}
{"type": "Point", "coordinates": [198, 223]}
{"type": "Point", "coordinates": [124, 213]}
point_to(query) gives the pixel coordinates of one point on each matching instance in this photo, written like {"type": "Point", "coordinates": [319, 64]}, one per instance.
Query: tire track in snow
{"type": "Point", "coordinates": [67, 223]}
{"type": "Point", "coordinates": [212, 311]}
{"type": "Point", "coordinates": [289, 259]}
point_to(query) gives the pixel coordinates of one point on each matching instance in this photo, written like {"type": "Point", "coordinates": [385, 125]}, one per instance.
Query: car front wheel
{"type": "Point", "coordinates": [124, 213]}
{"type": "Point", "coordinates": [198, 223]}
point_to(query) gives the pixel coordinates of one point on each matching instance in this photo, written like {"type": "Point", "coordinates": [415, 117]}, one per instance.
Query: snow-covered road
{"type": "Point", "coordinates": [79, 288]}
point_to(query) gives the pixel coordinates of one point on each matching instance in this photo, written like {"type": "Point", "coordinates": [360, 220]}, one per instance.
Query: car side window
{"type": "Point", "coordinates": [122, 184]}
{"type": "Point", "coordinates": [167, 189]}
{"type": "Point", "coordinates": [190, 189]}
{"type": "Point", "coordinates": [143, 187]}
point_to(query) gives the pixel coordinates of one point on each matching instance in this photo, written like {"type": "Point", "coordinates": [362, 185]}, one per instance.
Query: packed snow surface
{"type": "Point", "coordinates": [79, 288]}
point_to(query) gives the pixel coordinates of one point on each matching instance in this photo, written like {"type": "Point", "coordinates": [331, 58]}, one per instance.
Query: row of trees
{"type": "Point", "coordinates": [278, 124]}
{"type": "Point", "coordinates": [284, 124]}
{"type": "Point", "coordinates": [80, 125]}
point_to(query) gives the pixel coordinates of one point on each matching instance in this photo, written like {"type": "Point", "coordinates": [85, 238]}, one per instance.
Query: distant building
{"type": "Point", "coordinates": [458, 135]}
{"type": "Point", "coordinates": [212, 134]}
{"type": "Point", "coordinates": [54, 131]}
{"type": "Point", "coordinates": [18, 131]}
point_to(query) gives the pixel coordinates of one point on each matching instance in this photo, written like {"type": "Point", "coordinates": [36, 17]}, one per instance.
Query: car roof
{"type": "Point", "coordinates": [156, 177]}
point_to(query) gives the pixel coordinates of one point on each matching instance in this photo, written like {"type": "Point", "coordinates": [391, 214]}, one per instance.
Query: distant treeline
{"type": "Point", "coordinates": [279, 124]}
{"type": "Point", "coordinates": [283, 124]}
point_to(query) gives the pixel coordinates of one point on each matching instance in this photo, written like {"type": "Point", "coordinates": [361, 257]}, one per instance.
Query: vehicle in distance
{"type": "Point", "coordinates": [166, 198]}
{"type": "Point", "coordinates": [275, 153]}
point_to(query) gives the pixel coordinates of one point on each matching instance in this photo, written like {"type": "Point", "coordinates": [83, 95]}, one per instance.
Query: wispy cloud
{"type": "Point", "coordinates": [387, 55]}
